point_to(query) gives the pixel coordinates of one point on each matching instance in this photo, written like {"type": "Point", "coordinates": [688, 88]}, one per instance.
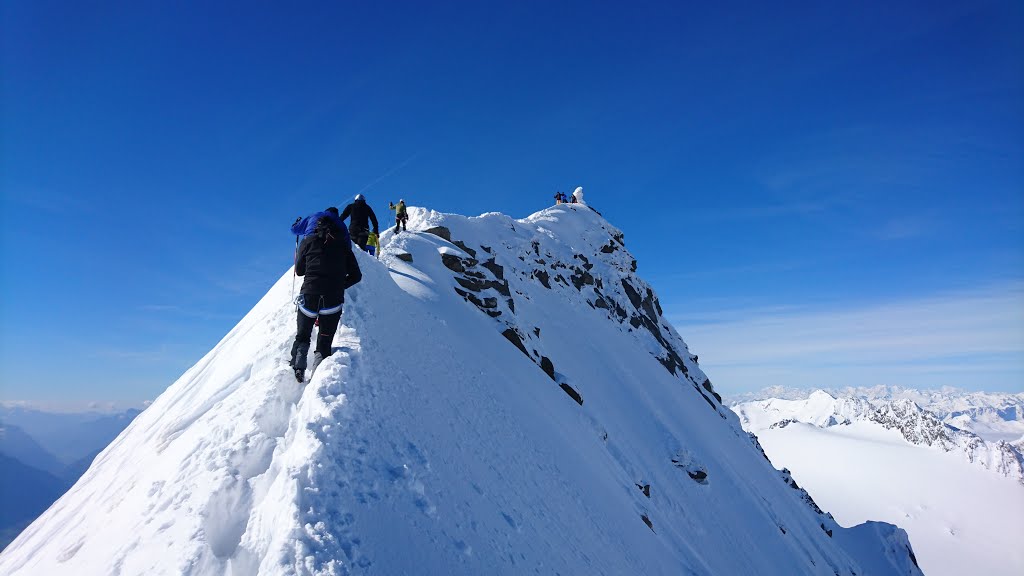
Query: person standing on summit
{"type": "Point", "coordinates": [401, 216]}
{"type": "Point", "coordinates": [328, 266]}
{"type": "Point", "coordinates": [361, 215]}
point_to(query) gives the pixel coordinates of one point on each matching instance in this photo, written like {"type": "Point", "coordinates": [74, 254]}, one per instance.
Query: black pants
{"type": "Point", "coordinates": [400, 221]}
{"type": "Point", "coordinates": [314, 303]}
{"type": "Point", "coordinates": [359, 236]}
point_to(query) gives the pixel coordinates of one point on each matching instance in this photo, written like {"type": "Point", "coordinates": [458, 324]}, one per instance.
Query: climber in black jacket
{"type": "Point", "coordinates": [360, 212]}
{"type": "Point", "coordinates": [329, 267]}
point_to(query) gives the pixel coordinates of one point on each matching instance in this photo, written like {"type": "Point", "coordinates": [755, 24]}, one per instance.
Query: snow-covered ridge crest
{"type": "Point", "coordinates": [992, 415]}
{"type": "Point", "coordinates": [504, 397]}
{"type": "Point", "coordinates": [916, 424]}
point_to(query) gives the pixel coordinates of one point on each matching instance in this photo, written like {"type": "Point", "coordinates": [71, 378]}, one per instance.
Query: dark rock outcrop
{"type": "Point", "coordinates": [440, 231]}
{"type": "Point", "coordinates": [647, 521]}
{"type": "Point", "coordinates": [514, 338]}
{"type": "Point", "coordinates": [572, 393]}
{"type": "Point", "coordinates": [547, 366]}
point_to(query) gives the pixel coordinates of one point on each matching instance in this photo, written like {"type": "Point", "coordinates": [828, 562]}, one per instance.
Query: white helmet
{"type": "Point", "coordinates": [359, 197]}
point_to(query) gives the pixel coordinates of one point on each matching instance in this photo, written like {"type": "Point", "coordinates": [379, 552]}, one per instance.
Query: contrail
{"type": "Point", "coordinates": [389, 172]}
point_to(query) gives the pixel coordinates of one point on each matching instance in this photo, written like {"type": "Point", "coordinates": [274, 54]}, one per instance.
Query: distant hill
{"type": "Point", "coordinates": [69, 436]}
{"type": "Point", "coordinates": [15, 443]}
{"type": "Point", "coordinates": [26, 493]}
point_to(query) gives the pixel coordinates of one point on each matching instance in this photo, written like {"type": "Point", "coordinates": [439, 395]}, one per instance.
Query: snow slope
{"type": "Point", "coordinates": [508, 401]}
{"type": "Point", "coordinates": [917, 425]}
{"type": "Point", "coordinates": [869, 457]}
{"type": "Point", "coordinates": [961, 518]}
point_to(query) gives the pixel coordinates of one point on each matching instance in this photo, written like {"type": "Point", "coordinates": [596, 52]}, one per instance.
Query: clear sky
{"type": "Point", "coordinates": [821, 193]}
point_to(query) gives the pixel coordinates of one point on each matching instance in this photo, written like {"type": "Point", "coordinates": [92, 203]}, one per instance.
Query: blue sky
{"type": "Point", "coordinates": [785, 173]}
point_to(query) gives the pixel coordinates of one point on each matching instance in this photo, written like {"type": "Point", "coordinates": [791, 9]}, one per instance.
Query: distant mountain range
{"type": "Point", "coordinates": [916, 424]}
{"type": "Point", "coordinates": [992, 416]}
{"type": "Point", "coordinates": [936, 462]}
{"type": "Point", "coordinates": [42, 454]}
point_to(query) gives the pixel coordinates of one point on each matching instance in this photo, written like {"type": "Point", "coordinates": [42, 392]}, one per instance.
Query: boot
{"type": "Point", "coordinates": [317, 359]}
{"type": "Point", "coordinates": [300, 350]}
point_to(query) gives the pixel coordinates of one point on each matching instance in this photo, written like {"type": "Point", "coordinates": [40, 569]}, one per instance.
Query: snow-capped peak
{"type": "Point", "coordinates": [505, 396]}
{"type": "Point", "coordinates": [917, 425]}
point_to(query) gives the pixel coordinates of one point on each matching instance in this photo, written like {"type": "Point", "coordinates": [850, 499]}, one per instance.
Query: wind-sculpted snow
{"type": "Point", "coordinates": [505, 397]}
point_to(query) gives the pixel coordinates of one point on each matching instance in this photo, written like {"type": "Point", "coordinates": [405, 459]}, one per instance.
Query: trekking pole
{"type": "Point", "coordinates": [294, 256]}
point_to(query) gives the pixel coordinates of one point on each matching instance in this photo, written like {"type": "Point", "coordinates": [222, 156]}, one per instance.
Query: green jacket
{"type": "Point", "coordinates": [398, 208]}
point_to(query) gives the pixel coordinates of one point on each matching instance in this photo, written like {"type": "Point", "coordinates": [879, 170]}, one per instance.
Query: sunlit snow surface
{"type": "Point", "coordinates": [961, 517]}
{"type": "Point", "coordinates": [429, 444]}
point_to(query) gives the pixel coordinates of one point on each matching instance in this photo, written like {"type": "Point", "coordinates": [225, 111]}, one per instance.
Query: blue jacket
{"type": "Point", "coordinates": [307, 225]}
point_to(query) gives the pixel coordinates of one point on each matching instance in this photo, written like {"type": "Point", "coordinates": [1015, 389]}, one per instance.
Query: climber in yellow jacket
{"type": "Point", "coordinates": [401, 217]}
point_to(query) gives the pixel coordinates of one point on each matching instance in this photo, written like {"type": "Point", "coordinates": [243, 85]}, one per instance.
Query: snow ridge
{"type": "Point", "coordinates": [504, 397]}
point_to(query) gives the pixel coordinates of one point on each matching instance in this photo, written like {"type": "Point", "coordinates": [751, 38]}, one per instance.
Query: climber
{"type": "Point", "coordinates": [329, 267]}
{"type": "Point", "coordinates": [358, 226]}
{"type": "Point", "coordinates": [373, 244]}
{"type": "Point", "coordinates": [401, 216]}
{"type": "Point", "coordinates": [559, 198]}
{"type": "Point", "coordinates": [303, 227]}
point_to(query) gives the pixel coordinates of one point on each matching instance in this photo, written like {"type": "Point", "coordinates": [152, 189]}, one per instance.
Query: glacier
{"type": "Point", "coordinates": [870, 454]}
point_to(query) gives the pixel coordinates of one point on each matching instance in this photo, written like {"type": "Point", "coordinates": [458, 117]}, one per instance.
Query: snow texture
{"type": "Point", "coordinates": [916, 425]}
{"type": "Point", "coordinates": [864, 458]}
{"type": "Point", "coordinates": [505, 397]}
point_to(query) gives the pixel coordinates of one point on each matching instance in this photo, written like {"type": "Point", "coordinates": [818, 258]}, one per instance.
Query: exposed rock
{"type": "Point", "coordinates": [404, 256]}
{"type": "Point", "coordinates": [707, 386]}
{"type": "Point", "coordinates": [440, 231]}
{"type": "Point", "coordinates": [462, 246]}
{"type": "Point", "coordinates": [645, 488]}
{"type": "Point", "coordinates": [787, 477]}
{"type": "Point", "coordinates": [487, 305]}
{"type": "Point", "coordinates": [514, 338]}
{"type": "Point", "coordinates": [632, 294]}
{"type": "Point", "coordinates": [647, 521]}
{"type": "Point", "coordinates": [453, 263]}
{"type": "Point", "coordinates": [547, 366]}
{"type": "Point", "coordinates": [698, 475]}
{"type": "Point", "coordinates": [827, 531]}
{"type": "Point", "coordinates": [497, 270]}
{"type": "Point", "coordinates": [782, 424]}
{"type": "Point", "coordinates": [572, 393]}
{"type": "Point", "coordinates": [471, 283]}
{"type": "Point", "coordinates": [581, 279]}
{"type": "Point", "coordinates": [696, 472]}
{"type": "Point", "coordinates": [586, 262]}
{"type": "Point", "coordinates": [912, 557]}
